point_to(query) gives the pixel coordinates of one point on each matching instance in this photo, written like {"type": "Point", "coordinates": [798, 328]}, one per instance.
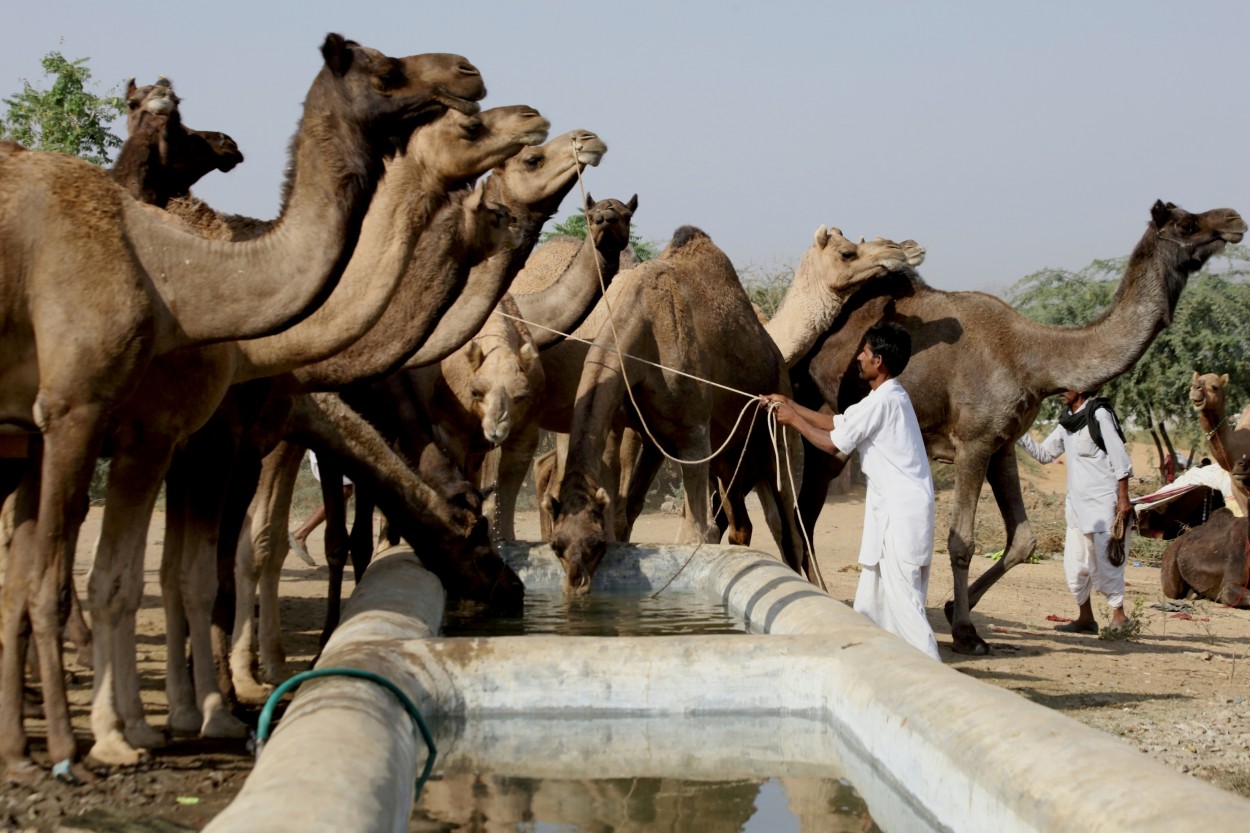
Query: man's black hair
{"type": "Point", "coordinates": [892, 343]}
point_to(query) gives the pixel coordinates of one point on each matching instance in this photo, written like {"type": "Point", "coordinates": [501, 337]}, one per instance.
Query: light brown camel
{"type": "Point", "coordinates": [980, 370]}
{"type": "Point", "coordinates": [475, 396]}
{"type": "Point", "coordinates": [439, 157]}
{"type": "Point", "coordinates": [677, 311]}
{"type": "Point", "coordinates": [167, 157]}
{"type": "Point", "coordinates": [532, 185]}
{"type": "Point", "coordinates": [133, 286]}
{"type": "Point", "coordinates": [1229, 443]}
{"type": "Point", "coordinates": [827, 273]}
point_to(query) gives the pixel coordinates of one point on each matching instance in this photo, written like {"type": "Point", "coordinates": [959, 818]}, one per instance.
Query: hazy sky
{"type": "Point", "coordinates": [1005, 137]}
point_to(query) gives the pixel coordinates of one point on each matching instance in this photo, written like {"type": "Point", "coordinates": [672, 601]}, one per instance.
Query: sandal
{"type": "Point", "coordinates": [300, 550]}
{"type": "Point", "coordinates": [1078, 627]}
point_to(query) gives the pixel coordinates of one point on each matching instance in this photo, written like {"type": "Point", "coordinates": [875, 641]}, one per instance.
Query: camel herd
{"type": "Point", "coordinates": [399, 318]}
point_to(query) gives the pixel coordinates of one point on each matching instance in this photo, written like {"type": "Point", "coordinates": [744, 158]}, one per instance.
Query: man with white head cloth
{"type": "Point", "coordinates": [897, 545]}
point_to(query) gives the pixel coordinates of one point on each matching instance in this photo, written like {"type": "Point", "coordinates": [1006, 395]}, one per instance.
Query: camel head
{"type": "Point", "coordinates": [389, 97]}
{"type": "Point", "coordinates": [460, 147]}
{"type": "Point", "coordinates": [537, 179]}
{"type": "Point", "coordinates": [607, 223]}
{"type": "Point", "coordinates": [579, 537]}
{"type": "Point", "coordinates": [1194, 238]}
{"type": "Point", "coordinates": [839, 265]}
{"type": "Point", "coordinates": [149, 100]}
{"type": "Point", "coordinates": [470, 568]}
{"type": "Point", "coordinates": [503, 369]}
{"type": "Point", "coordinates": [1206, 392]}
{"type": "Point", "coordinates": [488, 226]}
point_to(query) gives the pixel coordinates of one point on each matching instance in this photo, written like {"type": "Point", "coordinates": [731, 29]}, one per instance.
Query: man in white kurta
{"type": "Point", "coordinates": [897, 545]}
{"type": "Point", "coordinates": [1097, 490]}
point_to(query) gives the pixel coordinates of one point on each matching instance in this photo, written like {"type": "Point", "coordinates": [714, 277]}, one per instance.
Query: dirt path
{"type": "Point", "coordinates": [1178, 691]}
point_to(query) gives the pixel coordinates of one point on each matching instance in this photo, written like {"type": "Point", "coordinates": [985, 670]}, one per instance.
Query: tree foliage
{"type": "Point", "coordinates": [574, 225]}
{"type": "Point", "coordinates": [1210, 333]}
{"type": "Point", "coordinates": [765, 288]}
{"type": "Point", "coordinates": [67, 117]}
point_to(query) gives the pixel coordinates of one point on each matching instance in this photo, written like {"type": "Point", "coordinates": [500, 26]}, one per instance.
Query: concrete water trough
{"type": "Point", "coordinates": [814, 688]}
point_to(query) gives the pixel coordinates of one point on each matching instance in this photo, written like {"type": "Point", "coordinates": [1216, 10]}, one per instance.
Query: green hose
{"type": "Point", "coordinates": [266, 714]}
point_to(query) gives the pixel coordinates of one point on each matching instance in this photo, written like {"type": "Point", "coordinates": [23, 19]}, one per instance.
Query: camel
{"type": "Point", "coordinates": [980, 370]}
{"type": "Point", "coordinates": [132, 286]}
{"type": "Point", "coordinates": [438, 158]}
{"type": "Point", "coordinates": [827, 273]}
{"type": "Point", "coordinates": [1228, 443]}
{"type": "Point", "coordinates": [479, 393]}
{"type": "Point", "coordinates": [166, 414]}
{"type": "Point", "coordinates": [532, 185]}
{"type": "Point", "coordinates": [166, 157]}
{"type": "Point", "coordinates": [678, 311]}
{"type": "Point", "coordinates": [1212, 560]}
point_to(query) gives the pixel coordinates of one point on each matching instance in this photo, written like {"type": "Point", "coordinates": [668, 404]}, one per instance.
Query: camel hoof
{"type": "Point", "coordinates": [222, 724]}
{"type": "Point", "coordinates": [964, 640]}
{"type": "Point", "coordinates": [251, 692]}
{"type": "Point", "coordinates": [142, 736]}
{"type": "Point", "coordinates": [185, 721]}
{"type": "Point", "coordinates": [115, 751]}
{"type": "Point", "coordinates": [275, 675]}
{"type": "Point", "coordinates": [23, 771]}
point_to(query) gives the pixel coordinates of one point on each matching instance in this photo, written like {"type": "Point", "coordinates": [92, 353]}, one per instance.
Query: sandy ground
{"type": "Point", "coordinates": [1178, 691]}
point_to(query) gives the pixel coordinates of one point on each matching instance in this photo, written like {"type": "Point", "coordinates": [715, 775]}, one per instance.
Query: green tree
{"type": "Point", "coordinates": [1209, 333]}
{"type": "Point", "coordinates": [67, 117]}
{"type": "Point", "coordinates": [574, 225]}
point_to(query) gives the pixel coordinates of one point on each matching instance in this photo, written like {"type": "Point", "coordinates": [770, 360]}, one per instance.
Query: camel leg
{"type": "Point", "coordinates": [258, 569]}
{"type": "Point", "coordinates": [15, 621]}
{"type": "Point", "coordinates": [646, 468]}
{"type": "Point", "coordinates": [1171, 582]}
{"type": "Point", "coordinates": [335, 540]}
{"type": "Point", "coordinates": [514, 461]}
{"type": "Point", "coordinates": [244, 476]}
{"type": "Point", "coordinates": [72, 442]}
{"type": "Point", "coordinates": [970, 470]}
{"type": "Point", "coordinates": [360, 539]}
{"type": "Point", "coordinates": [115, 592]}
{"type": "Point", "coordinates": [1004, 477]}
{"type": "Point", "coordinates": [696, 525]}
{"type": "Point", "coordinates": [196, 490]}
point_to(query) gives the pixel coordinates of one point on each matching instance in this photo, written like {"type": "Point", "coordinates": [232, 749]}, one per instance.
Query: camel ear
{"type": "Point", "coordinates": [473, 352]}
{"type": "Point", "coordinates": [821, 237]}
{"type": "Point", "coordinates": [1194, 380]}
{"type": "Point", "coordinates": [473, 202]}
{"type": "Point", "coordinates": [601, 498]}
{"type": "Point", "coordinates": [337, 54]}
{"type": "Point", "coordinates": [632, 205]}
{"type": "Point", "coordinates": [1160, 214]}
{"type": "Point", "coordinates": [1224, 379]}
{"type": "Point", "coordinates": [590, 201]}
{"type": "Point", "coordinates": [527, 355]}
{"type": "Point", "coordinates": [130, 87]}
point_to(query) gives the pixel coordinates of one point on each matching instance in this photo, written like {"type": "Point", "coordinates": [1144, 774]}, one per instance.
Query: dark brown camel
{"type": "Point", "coordinates": [162, 157]}
{"type": "Point", "coordinates": [1212, 560]}
{"type": "Point", "coordinates": [980, 371]}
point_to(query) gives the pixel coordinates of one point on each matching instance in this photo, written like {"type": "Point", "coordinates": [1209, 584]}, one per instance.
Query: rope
{"type": "Point", "coordinates": [266, 714]}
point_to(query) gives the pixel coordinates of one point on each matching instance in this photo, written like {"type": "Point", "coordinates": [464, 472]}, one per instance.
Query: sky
{"type": "Point", "coordinates": [1004, 137]}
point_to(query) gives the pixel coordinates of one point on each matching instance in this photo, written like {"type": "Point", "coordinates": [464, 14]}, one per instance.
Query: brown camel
{"type": "Point", "coordinates": [166, 157]}
{"type": "Point", "coordinates": [828, 272]}
{"type": "Point", "coordinates": [166, 415]}
{"type": "Point", "coordinates": [163, 414]}
{"type": "Point", "coordinates": [1229, 443]}
{"type": "Point", "coordinates": [677, 311]}
{"type": "Point", "coordinates": [532, 185]}
{"type": "Point", "coordinates": [1211, 560]}
{"type": "Point", "coordinates": [133, 286]}
{"type": "Point", "coordinates": [980, 370]}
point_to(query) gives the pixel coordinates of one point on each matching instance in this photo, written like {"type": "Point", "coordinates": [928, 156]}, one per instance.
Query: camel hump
{"type": "Point", "coordinates": [685, 236]}
{"type": "Point", "coordinates": [8, 148]}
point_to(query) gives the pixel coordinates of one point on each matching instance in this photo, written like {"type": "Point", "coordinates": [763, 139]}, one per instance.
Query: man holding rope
{"type": "Point", "coordinates": [897, 544]}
